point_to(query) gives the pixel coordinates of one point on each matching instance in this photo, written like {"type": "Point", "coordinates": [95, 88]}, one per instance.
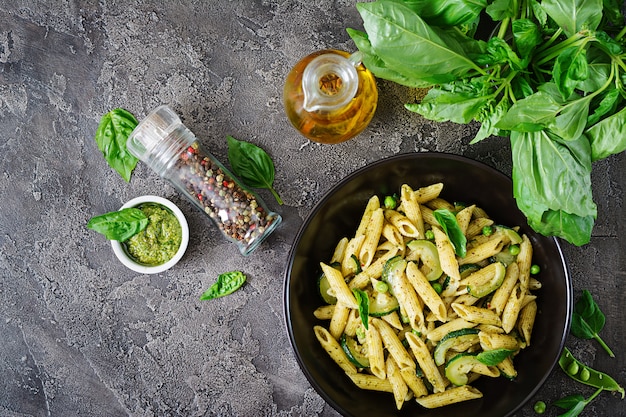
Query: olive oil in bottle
{"type": "Point", "coordinates": [329, 96]}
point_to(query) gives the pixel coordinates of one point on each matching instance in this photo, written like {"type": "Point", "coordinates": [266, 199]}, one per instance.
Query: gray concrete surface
{"type": "Point", "coordinates": [81, 335]}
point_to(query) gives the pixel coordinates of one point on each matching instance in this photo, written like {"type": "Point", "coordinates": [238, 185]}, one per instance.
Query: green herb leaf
{"type": "Point", "coordinates": [226, 283]}
{"type": "Point", "coordinates": [608, 136]}
{"type": "Point", "coordinates": [252, 164]}
{"type": "Point", "coordinates": [588, 320]}
{"type": "Point", "coordinates": [114, 129]}
{"type": "Point", "coordinates": [119, 225]}
{"type": "Point", "coordinates": [559, 205]}
{"type": "Point", "coordinates": [449, 224]}
{"type": "Point", "coordinates": [574, 15]}
{"type": "Point", "coordinates": [494, 357]}
{"type": "Point", "coordinates": [363, 301]}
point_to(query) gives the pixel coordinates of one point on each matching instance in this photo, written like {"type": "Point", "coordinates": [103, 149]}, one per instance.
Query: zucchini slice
{"type": "Point", "coordinates": [459, 366]}
{"type": "Point", "coordinates": [458, 340]}
{"type": "Point", "coordinates": [426, 252]}
{"type": "Point", "coordinates": [323, 286]}
{"type": "Point", "coordinates": [356, 353]}
{"type": "Point", "coordinates": [485, 280]}
{"type": "Point", "coordinates": [511, 234]}
{"type": "Point", "coordinates": [382, 303]}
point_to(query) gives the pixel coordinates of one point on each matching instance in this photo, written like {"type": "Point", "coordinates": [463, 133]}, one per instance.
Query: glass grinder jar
{"type": "Point", "coordinates": [170, 149]}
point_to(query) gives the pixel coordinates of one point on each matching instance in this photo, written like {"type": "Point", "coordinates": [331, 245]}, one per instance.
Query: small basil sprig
{"type": "Point", "coordinates": [363, 301]}
{"type": "Point", "coordinates": [252, 164]}
{"type": "Point", "coordinates": [119, 225]}
{"type": "Point", "coordinates": [588, 320]}
{"type": "Point", "coordinates": [227, 283]}
{"type": "Point", "coordinates": [114, 129]}
{"type": "Point", "coordinates": [575, 404]}
{"type": "Point", "coordinates": [448, 222]}
{"type": "Point", "coordinates": [494, 356]}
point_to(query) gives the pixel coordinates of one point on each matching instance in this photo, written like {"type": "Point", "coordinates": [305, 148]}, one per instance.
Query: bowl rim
{"type": "Point", "coordinates": [130, 263]}
{"type": "Point", "coordinates": [344, 181]}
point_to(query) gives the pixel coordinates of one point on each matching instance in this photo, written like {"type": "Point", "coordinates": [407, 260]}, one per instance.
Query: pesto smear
{"type": "Point", "coordinates": [159, 241]}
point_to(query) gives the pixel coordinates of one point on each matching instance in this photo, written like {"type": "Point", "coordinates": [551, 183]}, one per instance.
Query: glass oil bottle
{"type": "Point", "coordinates": [329, 96]}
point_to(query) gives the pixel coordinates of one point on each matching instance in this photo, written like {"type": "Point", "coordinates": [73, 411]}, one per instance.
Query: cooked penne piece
{"type": "Point", "coordinates": [393, 344]}
{"type": "Point", "coordinates": [425, 194]}
{"type": "Point", "coordinates": [447, 257]}
{"type": "Point", "coordinates": [426, 362]}
{"type": "Point", "coordinates": [406, 295]}
{"type": "Point", "coordinates": [353, 323]}
{"type": "Point", "coordinates": [481, 252]}
{"type": "Point", "coordinates": [477, 315]}
{"type": "Point", "coordinates": [428, 216]}
{"type": "Point", "coordinates": [334, 350]}
{"type": "Point", "coordinates": [402, 223]}
{"type": "Point", "coordinates": [372, 204]}
{"type": "Point", "coordinates": [439, 332]}
{"type": "Point", "coordinates": [375, 352]}
{"type": "Point", "coordinates": [464, 218]}
{"type": "Point", "coordinates": [324, 312]}
{"type": "Point", "coordinates": [398, 386]}
{"type": "Point", "coordinates": [351, 256]}
{"type": "Point", "coordinates": [415, 383]}
{"type": "Point", "coordinates": [392, 234]}
{"type": "Point", "coordinates": [372, 237]}
{"type": "Point", "coordinates": [526, 321]}
{"type": "Point", "coordinates": [411, 208]}
{"type": "Point", "coordinates": [370, 382]}
{"type": "Point", "coordinates": [340, 251]}
{"type": "Point", "coordinates": [426, 292]}
{"type": "Point", "coordinates": [491, 341]}
{"type": "Point", "coordinates": [524, 261]}
{"type": "Point", "coordinates": [440, 203]}
{"type": "Point", "coordinates": [512, 308]}
{"type": "Point", "coordinates": [476, 226]}
{"type": "Point", "coordinates": [375, 270]}
{"type": "Point", "coordinates": [339, 286]}
{"type": "Point", "coordinates": [502, 294]}
{"type": "Point", "coordinates": [449, 396]}
{"type": "Point", "coordinates": [393, 320]}
{"type": "Point", "coordinates": [339, 320]}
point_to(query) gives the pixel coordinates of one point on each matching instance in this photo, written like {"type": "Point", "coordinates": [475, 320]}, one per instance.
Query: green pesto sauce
{"type": "Point", "coordinates": [160, 240]}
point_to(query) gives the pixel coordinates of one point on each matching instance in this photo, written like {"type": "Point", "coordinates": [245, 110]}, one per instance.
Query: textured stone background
{"type": "Point", "coordinates": [80, 335]}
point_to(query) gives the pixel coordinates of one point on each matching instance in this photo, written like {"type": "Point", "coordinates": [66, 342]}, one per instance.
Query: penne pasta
{"type": "Point", "coordinates": [334, 350]}
{"type": "Point", "coordinates": [426, 304]}
{"type": "Point", "coordinates": [450, 396]}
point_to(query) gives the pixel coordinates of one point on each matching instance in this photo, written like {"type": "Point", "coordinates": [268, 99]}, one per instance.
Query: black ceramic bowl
{"type": "Point", "coordinates": [338, 214]}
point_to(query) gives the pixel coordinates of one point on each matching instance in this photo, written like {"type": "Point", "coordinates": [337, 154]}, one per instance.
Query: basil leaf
{"type": "Point", "coordinates": [404, 41]}
{"type": "Point", "coordinates": [442, 106]}
{"type": "Point", "coordinates": [527, 36]}
{"type": "Point", "coordinates": [363, 301]}
{"type": "Point", "coordinates": [570, 68]}
{"type": "Point", "coordinates": [588, 320]}
{"type": "Point", "coordinates": [574, 15]}
{"type": "Point", "coordinates": [561, 205]}
{"type": "Point", "coordinates": [226, 283]}
{"type": "Point", "coordinates": [252, 164]}
{"type": "Point", "coordinates": [114, 129]}
{"type": "Point", "coordinates": [608, 136]}
{"type": "Point", "coordinates": [119, 225]}
{"type": "Point", "coordinates": [494, 357]}
{"type": "Point", "coordinates": [449, 224]}
{"type": "Point", "coordinates": [447, 13]}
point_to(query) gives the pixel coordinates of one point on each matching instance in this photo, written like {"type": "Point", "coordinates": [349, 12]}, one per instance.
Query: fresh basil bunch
{"type": "Point", "coordinates": [550, 76]}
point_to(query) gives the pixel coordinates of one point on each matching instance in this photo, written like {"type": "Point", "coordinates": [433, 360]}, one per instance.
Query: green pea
{"type": "Point", "coordinates": [585, 374]}
{"type": "Point", "coordinates": [535, 269]}
{"type": "Point", "coordinates": [487, 230]}
{"type": "Point", "coordinates": [540, 407]}
{"type": "Point", "coordinates": [390, 202]}
{"type": "Point", "coordinates": [437, 287]}
{"type": "Point", "coordinates": [573, 368]}
{"type": "Point", "coordinates": [429, 234]}
{"type": "Point", "coordinates": [514, 249]}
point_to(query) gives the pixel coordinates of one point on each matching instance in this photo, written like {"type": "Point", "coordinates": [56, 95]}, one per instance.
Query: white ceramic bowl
{"type": "Point", "coordinates": [129, 262]}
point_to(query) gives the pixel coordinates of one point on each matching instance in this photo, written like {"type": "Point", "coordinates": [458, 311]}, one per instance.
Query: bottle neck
{"type": "Point", "coordinates": [329, 82]}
